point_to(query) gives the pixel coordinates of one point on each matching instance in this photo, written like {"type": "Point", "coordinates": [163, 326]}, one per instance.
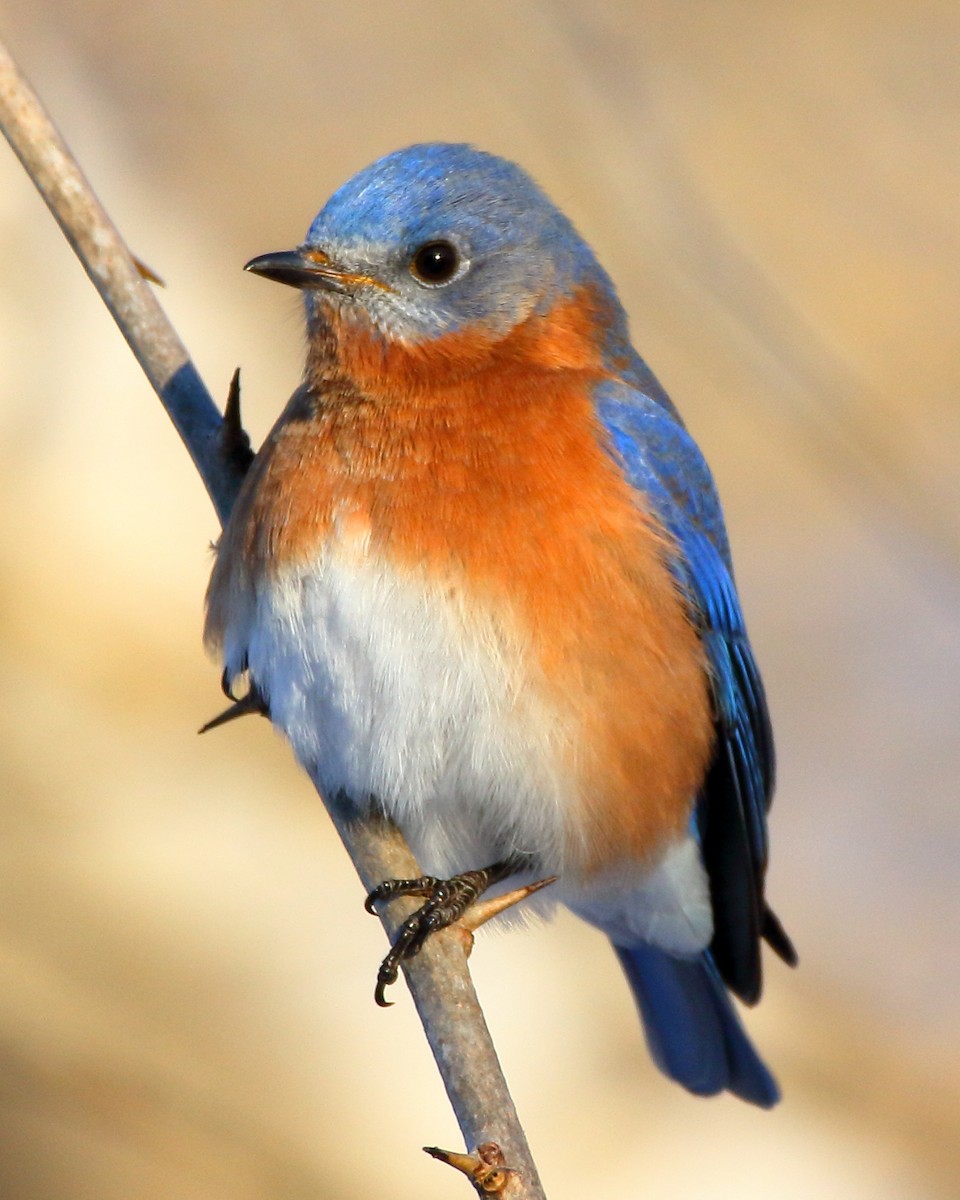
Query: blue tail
{"type": "Point", "coordinates": [693, 1032]}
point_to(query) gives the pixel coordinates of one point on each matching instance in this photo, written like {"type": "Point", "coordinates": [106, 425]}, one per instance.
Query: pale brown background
{"type": "Point", "coordinates": [185, 968]}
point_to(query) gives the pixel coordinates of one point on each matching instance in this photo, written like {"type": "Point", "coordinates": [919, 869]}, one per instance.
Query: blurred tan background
{"type": "Point", "coordinates": [185, 1005]}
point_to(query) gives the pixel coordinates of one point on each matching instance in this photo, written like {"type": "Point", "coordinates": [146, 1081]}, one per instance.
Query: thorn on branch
{"type": "Point", "coordinates": [485, 1169]}
{"type": "Point", "coordinates": [485, 910]}
{"type": "Point", "coordinates": [146, 272]}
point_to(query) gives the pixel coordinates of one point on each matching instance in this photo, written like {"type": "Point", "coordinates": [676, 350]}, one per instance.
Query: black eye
{"type": "Point", "coordinates": [435, 262]}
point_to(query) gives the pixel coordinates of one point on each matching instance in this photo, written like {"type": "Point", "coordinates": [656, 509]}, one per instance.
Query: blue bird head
{"type": "Point", "coordinates": [437, 238]}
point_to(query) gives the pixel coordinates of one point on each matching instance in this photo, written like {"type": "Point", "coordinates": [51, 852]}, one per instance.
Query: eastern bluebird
{"type": "Point", "coordinates": [478, 575]}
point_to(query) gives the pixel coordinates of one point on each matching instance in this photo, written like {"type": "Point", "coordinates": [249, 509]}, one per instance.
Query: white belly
{"type": "Point", "coordinates": [392, 689]}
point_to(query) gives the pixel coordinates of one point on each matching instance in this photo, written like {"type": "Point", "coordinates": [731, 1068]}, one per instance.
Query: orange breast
{"type": "Point", "coordinates": [485, 467]}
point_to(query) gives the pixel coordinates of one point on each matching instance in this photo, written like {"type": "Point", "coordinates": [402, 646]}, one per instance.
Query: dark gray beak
{"type": "Point", "coordinates": [307, 268]}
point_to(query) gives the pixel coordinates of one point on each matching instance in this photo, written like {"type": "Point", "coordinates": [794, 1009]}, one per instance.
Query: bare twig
{"type": "Point", "coordinates": [438, 977]}
{"type": "Point", "coordinates": [448, 1006]}
{"type": "Point", "coordinates": [108, 262]}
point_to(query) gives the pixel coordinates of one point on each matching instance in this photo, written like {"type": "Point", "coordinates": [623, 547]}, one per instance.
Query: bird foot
{"type": "Point", "coordinates": [446, 902]}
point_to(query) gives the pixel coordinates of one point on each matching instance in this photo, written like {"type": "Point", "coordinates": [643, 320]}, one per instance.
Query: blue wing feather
{"type": "Point", "coordinates": [665, 465]}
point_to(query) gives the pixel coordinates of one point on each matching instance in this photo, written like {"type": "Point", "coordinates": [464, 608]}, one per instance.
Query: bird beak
{"type": "Point", "coordinates": [308, 268]}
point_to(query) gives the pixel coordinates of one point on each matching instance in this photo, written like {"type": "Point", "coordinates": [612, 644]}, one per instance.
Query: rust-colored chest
{"type": "Point", "coordinates": [494, 482]}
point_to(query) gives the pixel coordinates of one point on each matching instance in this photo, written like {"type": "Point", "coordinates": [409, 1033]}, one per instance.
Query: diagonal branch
{"type": "Point", "coordinates": [438, 978]}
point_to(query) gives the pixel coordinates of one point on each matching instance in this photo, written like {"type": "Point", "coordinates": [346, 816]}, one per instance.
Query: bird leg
{"type": "Point", "coordinates": [446, 902]}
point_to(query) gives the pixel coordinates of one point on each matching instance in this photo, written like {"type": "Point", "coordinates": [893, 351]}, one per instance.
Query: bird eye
{"type": "Point", "coordinates": [435, 263]}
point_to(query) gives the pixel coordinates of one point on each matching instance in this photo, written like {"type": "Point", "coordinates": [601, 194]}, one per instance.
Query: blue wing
{"type": "Point", "coordinates": [663, 462]}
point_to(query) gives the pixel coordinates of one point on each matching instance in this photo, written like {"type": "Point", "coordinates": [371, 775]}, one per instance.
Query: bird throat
{"type": "Point", "coordinates": [349, 357]}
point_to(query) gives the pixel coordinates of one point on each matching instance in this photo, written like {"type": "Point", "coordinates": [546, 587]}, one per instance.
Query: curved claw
{"type": "Point", "coordinates": [384, 978]}
{"type": "Point", "coordinates": [407, 944]}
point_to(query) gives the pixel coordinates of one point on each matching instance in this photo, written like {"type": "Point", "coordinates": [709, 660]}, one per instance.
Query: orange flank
{"type": "Point", "coordinates": [482, 464]}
